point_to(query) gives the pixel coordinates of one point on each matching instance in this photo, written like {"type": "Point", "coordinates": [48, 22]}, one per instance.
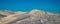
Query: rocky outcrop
{"type": "Point", "coordinates": [6, 12]}
{"type": "Point", "coordinates": [32, 17]}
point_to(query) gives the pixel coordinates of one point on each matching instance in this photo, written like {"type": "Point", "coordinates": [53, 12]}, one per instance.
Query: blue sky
{"type": "Point", "coordinates": [27, 5]}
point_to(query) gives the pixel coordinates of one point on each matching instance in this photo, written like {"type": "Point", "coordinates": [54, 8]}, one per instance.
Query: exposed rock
{"type": "Point", "coordinates": [1, 16]}
{"type": "Point", "coordinates": [32, 17]}
{"type": "Point", "coordinates": [12, 18]}
{"type": "Point", "coordinates": [6, 12]}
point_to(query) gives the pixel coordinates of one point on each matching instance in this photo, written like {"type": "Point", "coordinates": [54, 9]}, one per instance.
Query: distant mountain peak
{"type": "Point", "coordinates": [36, 12]}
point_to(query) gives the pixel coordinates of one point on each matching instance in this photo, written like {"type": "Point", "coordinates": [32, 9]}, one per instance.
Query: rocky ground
{"type": "Point", "coordinates": [32, 17]}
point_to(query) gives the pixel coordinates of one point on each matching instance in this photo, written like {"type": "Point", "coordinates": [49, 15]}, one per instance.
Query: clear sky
{"type": "Point", "coordinates": [27, 5]}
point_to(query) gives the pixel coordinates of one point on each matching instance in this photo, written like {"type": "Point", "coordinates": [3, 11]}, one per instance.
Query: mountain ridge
{"type": "Point", "coordinates": [33, 17]}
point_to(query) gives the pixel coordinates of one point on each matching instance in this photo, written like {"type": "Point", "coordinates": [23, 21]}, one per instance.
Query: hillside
{"type": "Point", "coordinates": [33, 17]}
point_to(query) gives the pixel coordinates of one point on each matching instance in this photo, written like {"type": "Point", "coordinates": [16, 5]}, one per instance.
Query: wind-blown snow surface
{"type": "Point", "coordinates": [32, 17]}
